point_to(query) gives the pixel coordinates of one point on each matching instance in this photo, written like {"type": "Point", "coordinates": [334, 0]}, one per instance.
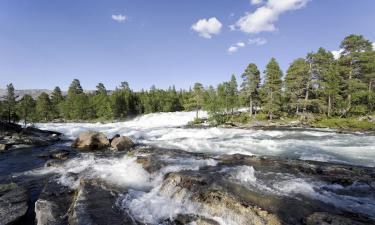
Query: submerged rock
{"type": "Point", "coordinates": [13, 203]}
{"type": "Point", "coordinates": [91, 140]}
{"type": "Point", "coordinates": [122, 143]}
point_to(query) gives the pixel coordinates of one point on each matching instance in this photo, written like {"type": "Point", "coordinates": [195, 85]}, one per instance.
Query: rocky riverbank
{"type": "Point", "coordinates": [192, 188]}
{"type": "Point", "coordinates": [13, 136]}
{"type": "Point", "coordinates": [101, 180]}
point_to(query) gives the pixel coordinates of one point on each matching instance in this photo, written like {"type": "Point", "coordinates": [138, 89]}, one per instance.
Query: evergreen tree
{"type": "Point", "coordinates": [56, 99]}
{"type": "Point", "coordinates": [250, 86]}
{"type": "Point", "coordinates": [43, 106]}
{"type": "Point", "coordinates": [26, 108]}
{"type": "Point", "coordinates": [297, 76]}
{"type": "Point", "coordinates": [232, 93]}
{"type": "Point", "coordinates": [272, 89]}
{"type": "Point", "coordinates": [197, 98]}
{"type": "Point", "coordinates": [329, 82]}
{"type": "Point", "coordinates": [353, 61]}
{"type": "Point", "coordinates": [76, 105]}
{"type": "Point", "coordinates": [10, 103]}
{"type": "Point", "coordinates": [102, 103]}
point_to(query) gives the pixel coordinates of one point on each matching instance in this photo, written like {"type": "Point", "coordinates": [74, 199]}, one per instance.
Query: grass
{"type": "Point", "coordinates": [345, 123]}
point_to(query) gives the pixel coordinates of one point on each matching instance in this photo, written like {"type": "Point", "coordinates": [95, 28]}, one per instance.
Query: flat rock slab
{"type": "Point", "coordinates": [13, 203]}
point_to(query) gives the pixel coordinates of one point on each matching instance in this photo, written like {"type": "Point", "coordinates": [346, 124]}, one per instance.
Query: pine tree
{"type": "Point", "coordinates": [250, 86]}
{"type": "Point", "coordinates": [296, 78]}
{"type": "Point", "coordinates": [10, 103]}
{"type": "Point", "coordinates": [102, 103]}
{"type": "Point", "coordinates": [232, 92]}
{"type": "Point", "coordinates": [353, 63]}
{"type": "Point", "coordinates": [56, 99]}
{"type": "Point", "coordinates": [196, 100]}
{"type": "Point", "coordinates": [76, 105]}
{"type": "Point", "coordinates": [43, 106]}
{"type": "Point", "coordinates": [26, 108]}
{"type": "Point", "coordinates": [272, 89]}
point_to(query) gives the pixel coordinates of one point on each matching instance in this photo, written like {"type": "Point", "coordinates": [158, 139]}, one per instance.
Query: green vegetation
{"type": "Point", "coordinates": [317, 89]}
{"type": "Point", "coordinates": [345, 123]}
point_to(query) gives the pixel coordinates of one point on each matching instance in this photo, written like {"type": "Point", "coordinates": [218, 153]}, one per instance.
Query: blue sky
{"type": "Point", "coordinates": [44, 43]}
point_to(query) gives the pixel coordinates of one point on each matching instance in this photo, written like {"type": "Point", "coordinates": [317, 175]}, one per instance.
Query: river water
{"type": "Point", "coordinates": [166, 130]}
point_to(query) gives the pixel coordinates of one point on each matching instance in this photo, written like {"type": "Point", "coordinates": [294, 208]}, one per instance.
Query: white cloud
{"type": "Point", "coordinates": [240, 44]}
{"type": "Point", "coordinates": [264, 17]}
{"type": "Point", "coordinates": [257, 41]}
{"type": "Point", "coordinates": [234, 48]}
{"type": "Point", "coordinates": [256, 2]}
{"type": "Point", "coordinates": [207, 27]}
{"type": "Point", "coordinates": [373, 45]}
{"type": "Point", "coordinates": [119, 18]}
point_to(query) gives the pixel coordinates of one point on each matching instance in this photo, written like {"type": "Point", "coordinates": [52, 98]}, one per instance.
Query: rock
{"type": "Point", "coordinates": [4, 147]}
{"type": "Point", "coordinates": [91, 140]}
{"type": "Point", "coordinates": [122, 143]}
{"type": "Point", "coordinates": [60, 154]}
{"type": "Point", "coordinates": [203, 191]}
{"type": "Point", "coordinates": [13, 203]}
{"type": "Point", "coordinates": [95, 203]}
{"type": "Point", "coordinates": [53, 203]}
{"type": "Point", "coordinates": [116, 136]}
{"type": "Point", "coordinates": [183, 219]}
{"type": "Point", "coordinates": [321, 218]}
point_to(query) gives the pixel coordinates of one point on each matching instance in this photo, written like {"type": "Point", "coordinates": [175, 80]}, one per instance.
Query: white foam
{"type": "Point", "coordinates": [122, 172]}
{"type": "Point", "coordinates": [165, 130]}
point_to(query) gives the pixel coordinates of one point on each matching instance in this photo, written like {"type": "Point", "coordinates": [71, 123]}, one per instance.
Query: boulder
{"type": "Point", "coordinates": [95, 203]}
{"type": "Point", "coordinates": [13, 203]}
{"type": "Point", "coordinates": [53, 203]}
{"type": "Point", "coordinates": [122, 143]}
{"type": "Point", "coordinates": [91, 140]}
{"type": "Point", "coordinates": [4, 147]}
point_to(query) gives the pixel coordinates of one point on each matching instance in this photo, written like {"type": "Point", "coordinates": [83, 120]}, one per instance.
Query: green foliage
{"type": "Point", "coordinates": [43, 107]}
{"type": "Point", "coordinates": [250, 87]}
{"type": "Point", "coordinates": [26, 109]}
{"type": "Point", "coordinates": [345, 123]}
{"type": "Point", "coordinates": [272, 89]}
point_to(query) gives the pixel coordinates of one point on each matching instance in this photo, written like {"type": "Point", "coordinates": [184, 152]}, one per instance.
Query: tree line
{"type": "Point", "coordinates": [316, 84]}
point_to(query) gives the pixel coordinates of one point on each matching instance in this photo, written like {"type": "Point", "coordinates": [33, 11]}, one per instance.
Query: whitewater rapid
{"type": "Point", "coordinates": [166, 130]}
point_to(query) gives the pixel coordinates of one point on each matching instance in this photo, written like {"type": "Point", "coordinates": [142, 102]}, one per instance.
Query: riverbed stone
{"type": "Point", "coordinates": [91, 140]}
{"type": "Point", "coordinates": [13, 203]}
{"type": "Point", "coordinates": [122, 143]}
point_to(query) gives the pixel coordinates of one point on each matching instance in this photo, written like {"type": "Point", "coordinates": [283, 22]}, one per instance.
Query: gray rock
{"type": "Point", "coordinates": [91, 140]}
{"type": "Point", "coordinates": [122, 143]}
{"type": "Point", "coordinates": [13, 203]}
{"type": "Point", "coordinates": [52, 206]}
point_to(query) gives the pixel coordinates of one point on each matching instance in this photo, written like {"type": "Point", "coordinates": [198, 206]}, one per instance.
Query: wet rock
{"type": "Point", "coordinates": [60, 154]}
{"type": "Point", "coordinates": [4, 147]}
{"type": "Point", "coordinates": [53, 204]}
{"type": "Point", "coordinates": [190, 219]}
{"type": "Point", "coordinates": [95, 203]}
{"type": "Point", "coordinates": [216, 202]}
{"type": "Point", "coordinates": [91, 140]}
{"type": "Point", "coordinates": [122, 143]}
{"type": "Point", "coordinates": [321, 218]}
{"type": "Point", "coordinates": [13, 203]}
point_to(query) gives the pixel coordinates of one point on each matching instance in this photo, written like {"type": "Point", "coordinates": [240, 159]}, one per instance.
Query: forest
{"type": "Point", "coordinates": [316, 85]}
